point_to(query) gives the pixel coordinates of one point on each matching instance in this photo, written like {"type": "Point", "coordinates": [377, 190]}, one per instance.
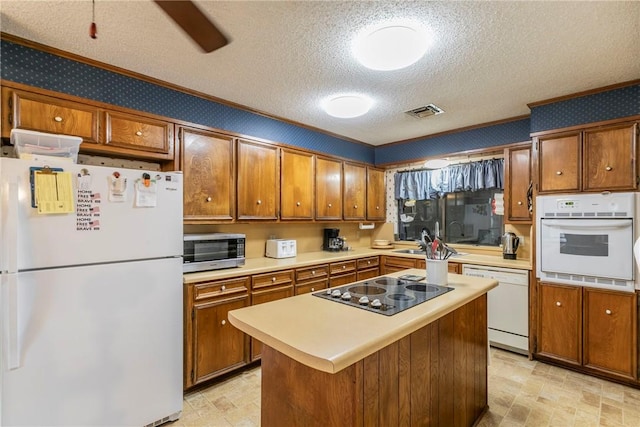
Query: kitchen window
{"type": "Point", "coordinates": [464, 202]}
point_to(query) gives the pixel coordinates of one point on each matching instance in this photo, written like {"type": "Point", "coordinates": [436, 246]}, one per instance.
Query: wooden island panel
{"type": "Point", "coordinates": [435, 376]}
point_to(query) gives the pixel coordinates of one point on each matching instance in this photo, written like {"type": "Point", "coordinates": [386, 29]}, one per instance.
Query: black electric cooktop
{"type": "Point", "coordinates": [385, 295]}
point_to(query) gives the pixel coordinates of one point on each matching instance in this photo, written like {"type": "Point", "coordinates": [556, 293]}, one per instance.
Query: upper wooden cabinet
{"type": "Point", "coordinates": [328, 189]}
{"type": "Point", "coordinates": [376, 195]}
{"type": "Point", "coordinates": [517, 180]}
{"type": "Point", "coordinates": [610, 158]}
{"type": "Point", "coordinates": [258, 181]}
{"type": "Point", "coordinates": [355, 191]}
{"type": "Point", "coordinates": [559, 162]}
{"type": "Point", "coordinates": [208, 169]}
{"type": "Point", "coordinates": [103, 131]}
{"type": "Point", "coordinates": [136, 133]}
{"type": "Point", "coordinates": [32, 111]}
{"type": "Point", "coordinates": [296, 185]}
{"type": "Point", "coordinates": [598, 159]}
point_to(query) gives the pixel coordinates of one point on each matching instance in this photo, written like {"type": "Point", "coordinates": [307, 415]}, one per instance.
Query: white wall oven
{"type": "Point", "coordinates": [587, 239]}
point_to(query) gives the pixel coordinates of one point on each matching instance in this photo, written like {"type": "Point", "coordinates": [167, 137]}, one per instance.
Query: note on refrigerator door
{"type": "Point", "coordinates": [53, 191]}
{"type": "Point", "coordinates": [146, 192]}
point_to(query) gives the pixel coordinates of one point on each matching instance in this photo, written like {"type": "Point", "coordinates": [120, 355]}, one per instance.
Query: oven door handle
{"type": "Point", "coordinates": [595, 224]}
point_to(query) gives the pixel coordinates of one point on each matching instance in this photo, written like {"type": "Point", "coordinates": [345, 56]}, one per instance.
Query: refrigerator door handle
{"type": "Point", "coordinates": [10, 321]}
{"type": "Point", "coordinates": [10, 228]}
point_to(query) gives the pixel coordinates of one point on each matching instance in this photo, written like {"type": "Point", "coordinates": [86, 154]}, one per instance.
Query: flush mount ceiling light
{"type": "Point", "coordinates": [394, 46]}
{"type": "Point", "coordinates": [347, 106]}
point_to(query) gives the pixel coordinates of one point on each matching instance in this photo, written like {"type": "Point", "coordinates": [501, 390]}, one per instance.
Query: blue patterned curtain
{"type": "Point", "coordinates": [430, 184]}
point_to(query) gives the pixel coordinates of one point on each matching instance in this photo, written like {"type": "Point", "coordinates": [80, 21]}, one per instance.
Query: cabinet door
{"type": "Point", "coordinates": [46, 114]}
{"type": "Point", "coordinates": [296, 184]}
{"type": "Point", "coordinates": [610, 158]}
{"type": "Point", "coordinates": [518, 177]}
{"type": "Point", "coordinates": [208, 166]}
{"type": "Point", "coordinates": [142, 136]}
{"type": "Point", "coordinates": [376, 197]}
{"type": "Point", "coordinates": [560, 322]}
{"type": "Point", "coordinates": [328, 189]}
{"type": "Point", "coordinates": [610, 332]}
{"type": "Point", "coordinates": [355, 191]}
{"type": "Point", "coordinates": [391, 264]}
{"type": "Point", "coordinates": [218, 346]}
{"type": "Point", "coordinates": [258, 181]}
{"type": "Point", "coordinates": [559, 162]}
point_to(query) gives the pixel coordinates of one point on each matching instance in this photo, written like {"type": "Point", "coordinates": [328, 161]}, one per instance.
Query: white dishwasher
{"type": "Point", "coordinates": [507, 306]}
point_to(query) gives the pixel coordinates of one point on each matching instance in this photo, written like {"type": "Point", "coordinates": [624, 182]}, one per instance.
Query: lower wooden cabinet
{"type": "Point", "coordinates": [368, 268]}
{"type": "Point", "coordinates": [560, 322]}
{"type": "Point", "coordinates": [311, 279]}
{"type": "Point", "coordinates": [341, 273]}
{"type": "Point", "coordinates": [592, 329]}
{"type": "Point", "coordinates": [212, 345]}
{"type": "Point", "coordinates": [610, 337]}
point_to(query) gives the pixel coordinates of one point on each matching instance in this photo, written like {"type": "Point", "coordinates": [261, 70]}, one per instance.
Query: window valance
{"type": "Point", "coordinates": [429, 184]}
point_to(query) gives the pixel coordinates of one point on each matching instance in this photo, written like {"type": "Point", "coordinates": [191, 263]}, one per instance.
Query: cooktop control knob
{"type": "Point", "coordinates": [336, 293]}
{"type": "Point", "coordinates": [346, 296]}
{"type": "Point", "coordinates": [363, 300]}
{"type": "Point", "coordinates": [376, 303]}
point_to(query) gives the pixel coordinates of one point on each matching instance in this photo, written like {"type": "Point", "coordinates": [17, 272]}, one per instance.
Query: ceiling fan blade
{"type": "Point", "coordinates": [195, 23]}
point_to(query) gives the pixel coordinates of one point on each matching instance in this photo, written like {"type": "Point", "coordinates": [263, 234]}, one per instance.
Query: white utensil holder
{"type": "Point", "coordinates": [438, 271]}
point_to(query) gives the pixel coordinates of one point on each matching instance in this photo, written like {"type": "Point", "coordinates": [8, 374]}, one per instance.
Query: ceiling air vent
{"type": "Point", "coordinates": [426, 111]}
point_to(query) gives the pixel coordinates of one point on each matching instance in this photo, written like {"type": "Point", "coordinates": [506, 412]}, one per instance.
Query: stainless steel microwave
{"type": "Point", "coordinates": [212, 251]}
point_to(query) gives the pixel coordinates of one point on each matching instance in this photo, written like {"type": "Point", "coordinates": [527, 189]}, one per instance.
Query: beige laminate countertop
{"type": "Point", "coordinates": [265, 265]}
{"type": "Point", "coordinates": [329, 336]}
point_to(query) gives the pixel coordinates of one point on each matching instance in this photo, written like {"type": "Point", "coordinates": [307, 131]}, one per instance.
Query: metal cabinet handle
{"type": "Point", "coordinates": [608, 168]}
{"type": "Point", "coordinates": [209, 199]}
{"type": "Point", "coordinates": [558, 303]}
{"type": "Point", "coordinates": [608, 311]}
{"type": "Point", "coordinates": [139, 133]}
{"type": "Point", "coordinates": [273, 279]}
{"type": "Point", "coordinates": [559, 173]}
{"type": "Point", "coordinates": [313, 289]}
{"type": "Point", "coordinates": [519, 203]}
{"type": "Point", "coordinates": [330, 205]}
{"type": "Point", "coordinates": [223, 287]}
{"type": "Point", "coordinates": [313, 272]}
{"type": "Point", "coordinates": [344, 266]}
{"type": "Point", "coordinates": [377, 207]}
{"type": "Point", "coordinates": [298, 204]}
{"type": "Point", "coordinates": [259, 202]}
{"type": "Point", "coordinates": [355, 206]}
{"type": "Point", "coordinates": [224, 322]}
{"type": "Point", "coordinates": [57, 119]}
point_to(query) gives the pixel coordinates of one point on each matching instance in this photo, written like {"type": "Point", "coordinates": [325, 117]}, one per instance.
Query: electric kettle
{"type": "Point", "coordinates": [509, 245]}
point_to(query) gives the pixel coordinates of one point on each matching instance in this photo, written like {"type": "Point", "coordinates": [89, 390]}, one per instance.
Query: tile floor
{"type": "Point", "coordinates": [521, 393]}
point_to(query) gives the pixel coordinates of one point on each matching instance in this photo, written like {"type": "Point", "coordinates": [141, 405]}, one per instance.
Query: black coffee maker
{"type": "Point", "coordinates": [332, 242]}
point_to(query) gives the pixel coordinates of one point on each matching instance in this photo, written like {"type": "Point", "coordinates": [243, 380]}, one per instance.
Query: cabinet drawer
{"type": "Point", "coordinates": [275, 278]}
{"type": "Point", "coordinates": [368, 262]}
{"type": "Point", "coordinates": [399, 262]}
{"type": "Point", "coordinates": [311, 273]}
{"type": "Point", "coordinates": [368, 273]}
{"type": "Point", "coordinates": [312, 286]}
{"type": "Point", "coordinates": [220, 288]}
{"type": "Point", "coordinates": [342, 279]}
{"type": "Point", "coordinates": [342, 267]}
{"type": "Point", "coordinates": [44, 114]}
{"type": "Point", "coordinates": [139, 133]}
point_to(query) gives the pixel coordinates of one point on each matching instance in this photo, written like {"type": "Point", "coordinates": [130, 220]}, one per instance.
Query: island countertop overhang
{"type": "Point", "coordinates": [329, 336]}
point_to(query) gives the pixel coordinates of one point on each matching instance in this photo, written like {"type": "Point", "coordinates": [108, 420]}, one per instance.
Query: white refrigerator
{"type": "Point", "coordinates": [91, 295]}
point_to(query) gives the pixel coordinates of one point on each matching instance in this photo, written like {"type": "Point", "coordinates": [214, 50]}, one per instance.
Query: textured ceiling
{"type": "Point", "coordinates": [488, 61]}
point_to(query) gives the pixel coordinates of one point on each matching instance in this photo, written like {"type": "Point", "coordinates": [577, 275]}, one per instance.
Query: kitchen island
{"type": "Point", "coordinates": [330, 364]}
